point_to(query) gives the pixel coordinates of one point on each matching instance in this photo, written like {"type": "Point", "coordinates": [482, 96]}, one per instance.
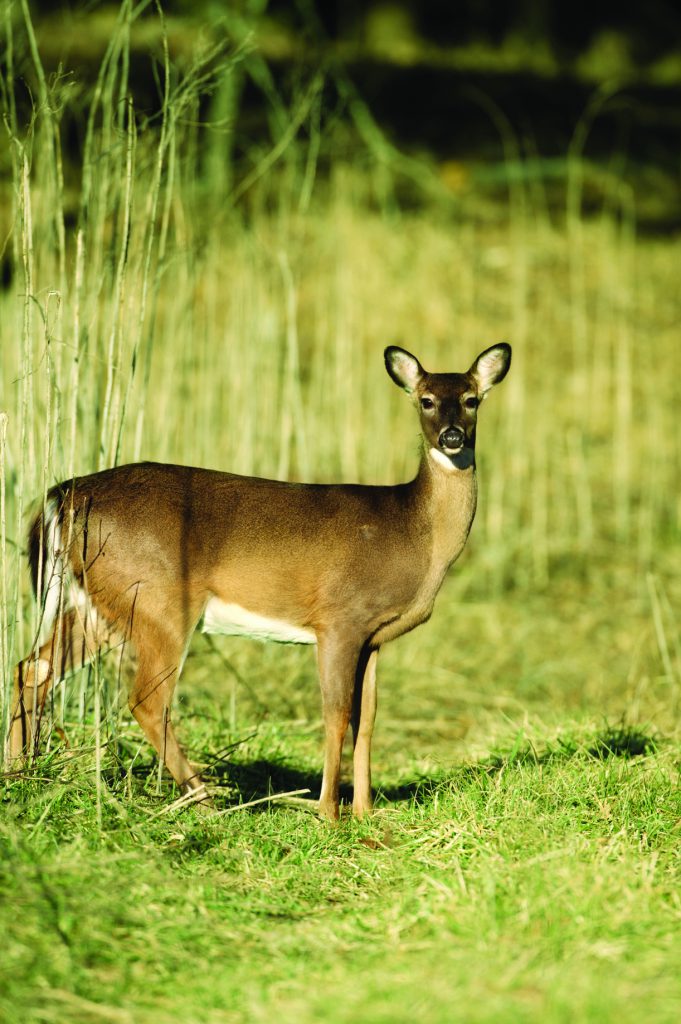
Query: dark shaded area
{"type": "Point", "coordinates": [623, 742]}
{"type": "Point", "coordinates": [569, 26]}
{"type": "Point", "coordinates": [614, 741]}
{"type": "Point", "coordinates": [428, 106]}
{"type": "Point", "coordinates": [236, 782]}
{"type": "Point", "coordinates": [253, 780]}
{"type": "Point", "coordinates": [449, 113]}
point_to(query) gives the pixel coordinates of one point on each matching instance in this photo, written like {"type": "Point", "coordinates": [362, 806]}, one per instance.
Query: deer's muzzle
{"type": "Point", "coordinates": [452, 439]}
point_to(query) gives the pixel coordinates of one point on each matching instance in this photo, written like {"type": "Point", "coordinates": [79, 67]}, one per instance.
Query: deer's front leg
{"type": "Point", "coordinates": [338, 661]}
{"type": "Point", "coordinates": [363, 717]}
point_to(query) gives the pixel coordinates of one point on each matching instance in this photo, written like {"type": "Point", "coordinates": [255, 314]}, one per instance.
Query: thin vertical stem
{"type": "Point", "coordinates": [113, 353]}
{"type": "Point", "coordinates": [5, 677]}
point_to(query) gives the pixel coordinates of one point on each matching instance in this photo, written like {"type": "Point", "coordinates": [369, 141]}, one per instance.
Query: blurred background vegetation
{"type": "Point", "coordinates": [215, 216]}
{"type": "Point", "coordinates": [440, 80]}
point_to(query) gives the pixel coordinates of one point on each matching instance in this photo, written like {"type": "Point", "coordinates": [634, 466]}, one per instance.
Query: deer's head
{"type": "Point", "coordinates": [448, 403]}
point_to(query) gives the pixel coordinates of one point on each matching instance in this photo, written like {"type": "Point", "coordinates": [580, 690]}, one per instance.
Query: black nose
{"type": "Point", "coordinates": [453, 437]}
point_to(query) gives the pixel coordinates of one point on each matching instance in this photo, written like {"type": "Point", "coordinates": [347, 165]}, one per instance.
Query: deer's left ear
{"type": "Point", "coordinates": [490, 367]}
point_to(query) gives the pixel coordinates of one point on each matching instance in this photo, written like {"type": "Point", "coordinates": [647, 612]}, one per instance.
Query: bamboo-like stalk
{"type": "Point", "coordinates": [5, 645]}
{"type": "Point", "coordinates": [85, 231]}
{"type": "Point", "coordinates": [53, 162]}
{"type": "Point", "coordinates": [292, 400]}
{"type": "Point", "coordinates": [113, 360]}
{"type": "Point", "coordinates": [150, 224]}
{"type": "Point", "coordinates": [27, 454]}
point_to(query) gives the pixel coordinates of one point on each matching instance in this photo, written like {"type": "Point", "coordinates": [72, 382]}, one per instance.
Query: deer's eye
{"type": "Point", "coordinates": [427, 404]}
{"type": "Point", "coordinates": [471, 402]}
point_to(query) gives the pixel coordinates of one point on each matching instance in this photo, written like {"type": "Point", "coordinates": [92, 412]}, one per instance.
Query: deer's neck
{"type": "Point", "coordinates": [447, 496]}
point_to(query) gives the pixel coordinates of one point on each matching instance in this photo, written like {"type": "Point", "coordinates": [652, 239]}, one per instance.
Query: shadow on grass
{"type": "Point", "coordinates": [242, 781]}
{"type": "Point", "coordinates": [613, 741]}
{"type": "Point", "coordinates": [257, 779]}
{"type": "Point", "coordinates": [253, 780]}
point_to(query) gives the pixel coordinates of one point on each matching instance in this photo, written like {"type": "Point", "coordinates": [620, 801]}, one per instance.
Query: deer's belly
{"type": "Point", "coordinates": [233, 620]}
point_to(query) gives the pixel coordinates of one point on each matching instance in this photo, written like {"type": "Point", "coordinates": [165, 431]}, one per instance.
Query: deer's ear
{"type": "Point", "coordinates": [403, 367]}
{"type": "Point", "coordinates": [490, 367]}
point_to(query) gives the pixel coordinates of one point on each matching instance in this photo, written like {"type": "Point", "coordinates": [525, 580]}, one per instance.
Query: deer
{"type": "Point", "coordinates": [143, 554]}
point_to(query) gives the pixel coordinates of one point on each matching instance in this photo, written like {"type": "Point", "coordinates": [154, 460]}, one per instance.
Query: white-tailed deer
{"type": "Point", "coordinates": [144, 553]}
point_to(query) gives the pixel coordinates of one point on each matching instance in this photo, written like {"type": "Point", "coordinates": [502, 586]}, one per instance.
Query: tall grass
{"type": "Point", "coordinates": [162, 309]}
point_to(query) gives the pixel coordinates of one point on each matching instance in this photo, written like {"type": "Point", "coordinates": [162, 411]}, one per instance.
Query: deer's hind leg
{"type": "Point", "coordinates": [78, 635]}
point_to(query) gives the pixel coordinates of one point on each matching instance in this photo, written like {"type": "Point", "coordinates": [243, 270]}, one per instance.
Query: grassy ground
{"type": "Point", "coordinates": [523, 862]}
{"type": "Point", "coordinates": [540, 884]}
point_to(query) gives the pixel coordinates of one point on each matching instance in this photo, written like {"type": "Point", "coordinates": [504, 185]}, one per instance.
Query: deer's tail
{"type": "Point", "coordinates": [47, 561]}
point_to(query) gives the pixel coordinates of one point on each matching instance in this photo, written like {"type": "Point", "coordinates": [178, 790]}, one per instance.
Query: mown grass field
{"type": "Point", "coordinates": [523, 861]}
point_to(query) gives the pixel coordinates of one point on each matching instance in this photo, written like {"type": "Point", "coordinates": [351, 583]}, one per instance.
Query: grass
{"type": "Point", "coordinates": [523, 862]}
{"type": "Point", "coordinates": [534, 888]}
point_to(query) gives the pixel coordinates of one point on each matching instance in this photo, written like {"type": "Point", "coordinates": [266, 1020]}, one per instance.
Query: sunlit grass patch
{"type": "Point", "coordinates": [522, 885]}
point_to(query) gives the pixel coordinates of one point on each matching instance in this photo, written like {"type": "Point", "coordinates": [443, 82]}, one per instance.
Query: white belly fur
{"type": "Point", "coordinates": [233, 620]}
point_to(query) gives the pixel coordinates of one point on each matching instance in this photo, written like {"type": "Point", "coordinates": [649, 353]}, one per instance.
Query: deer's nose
{"type": "Point", "coordinates": [452, 437]}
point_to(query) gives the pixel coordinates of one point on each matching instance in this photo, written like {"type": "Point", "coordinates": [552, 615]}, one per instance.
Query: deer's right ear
{"type": "Point", "coordinates": [403, 367]}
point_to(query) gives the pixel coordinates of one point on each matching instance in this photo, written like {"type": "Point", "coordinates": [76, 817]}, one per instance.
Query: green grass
{"type": "Point", "coordinates": [534, 888]}
{"type": "Point", "coordinates": [523, 862]}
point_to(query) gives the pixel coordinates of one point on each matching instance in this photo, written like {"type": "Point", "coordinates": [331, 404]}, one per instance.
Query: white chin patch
{"type": "Point", "coordinates": [233, 620]}
{"type": "Point", "coordinates": [442, 459]}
